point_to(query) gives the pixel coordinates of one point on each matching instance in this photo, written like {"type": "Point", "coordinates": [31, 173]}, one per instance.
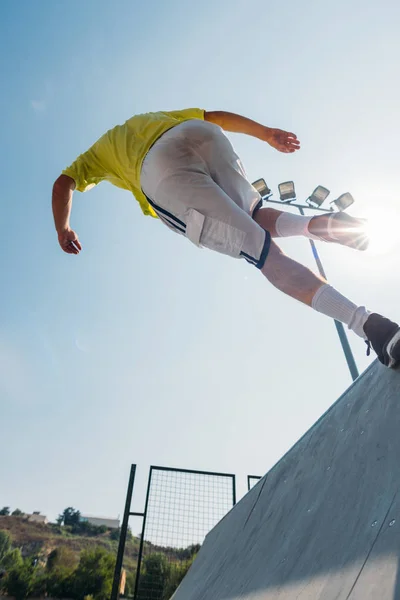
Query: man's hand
{"type": "Point", "coordinates": [69, 241]}
{"type": "Point", "coordinates": [283, 141]}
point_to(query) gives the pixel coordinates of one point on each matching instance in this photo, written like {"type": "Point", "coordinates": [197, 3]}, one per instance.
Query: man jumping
{"type": "Point", "coordinates": [181, 168]}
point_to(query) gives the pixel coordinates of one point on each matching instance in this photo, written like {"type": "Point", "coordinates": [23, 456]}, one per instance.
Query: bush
{"type": "Point", "coordinates": [154, 580]}
{"type": "Point", "coordinates": [101, 530]}
{"type": "Point", "coordinates": [39, 583]}
{"type": "Point", "coordinates": [5, 544]}
{"type": "Point", "coordinates": [60, 583]}
{"type": "Point", "coordinates": [61, 559]}
{"type": "Point", "coordinates": [60, 567]}
{"type": "Point", "coordinates": [86, 528]}
{"type": "Point", "coordinates": [160, 578]}
{"type": "Point", "coordinates": [19, 581]}
{"type": "Point", "coordinates": [177, 573]}
{"type": "Point", "coordinates": [94, 574]}
{"type": "Point", "coordinates": [12, 559]}
{"type": "Point", "coordinates": [116, 533]}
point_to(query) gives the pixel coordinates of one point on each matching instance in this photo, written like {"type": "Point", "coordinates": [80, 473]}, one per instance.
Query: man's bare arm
{"type": "Point", "coordinates": [63, 189]}
{"type": "Point", "coordinates": [62, 201]}
{"type": "Point", "coordinates": [283, 141]}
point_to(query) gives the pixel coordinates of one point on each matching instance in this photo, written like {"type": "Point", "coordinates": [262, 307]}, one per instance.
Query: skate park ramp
{"type": "Point", "coordinates": [324, 523]}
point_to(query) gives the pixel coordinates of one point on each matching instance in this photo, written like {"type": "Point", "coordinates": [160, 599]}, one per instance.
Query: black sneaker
{"type": "Point", "coordinates": [384, 336]}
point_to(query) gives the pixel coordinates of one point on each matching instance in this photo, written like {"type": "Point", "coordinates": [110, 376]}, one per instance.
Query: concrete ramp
{"type": "Point", "coordinates": [324, 523]}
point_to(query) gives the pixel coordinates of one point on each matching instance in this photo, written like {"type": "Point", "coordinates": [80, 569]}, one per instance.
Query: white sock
{"type": "Point", "coordinates": [289, 224]}
{"type": "Point", "coordinates": [330, 302]}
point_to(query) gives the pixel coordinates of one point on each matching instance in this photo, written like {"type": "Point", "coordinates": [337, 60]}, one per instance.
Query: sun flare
{"type": "Point", "coordinates": [383, 230]}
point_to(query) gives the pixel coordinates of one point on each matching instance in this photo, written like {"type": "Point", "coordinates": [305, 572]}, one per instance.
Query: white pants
{"type": "Point", "coordinates": [197, 186]}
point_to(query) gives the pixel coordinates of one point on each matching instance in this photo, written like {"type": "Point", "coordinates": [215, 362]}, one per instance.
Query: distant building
{"type": "Point", "coordinates": [36, 517]}
{"type": "Point", "coordinates": [99, 521]}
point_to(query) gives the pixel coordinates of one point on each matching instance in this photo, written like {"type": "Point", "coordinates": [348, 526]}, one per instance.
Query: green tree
{"type": "Point", "coordinates": [19, 581]}
{"type": "Point", "coordinates": [62, 558]}
{"type": "Point", "coordinates": [5, 544]}
{"type": "Point", "coordinates": [101, 530]}
{"type": "Point", "coordinates": [5, 511]}
{"type": "Point", "coordinates": [60, 584]}
{"type": "Point", "coordinates": [39, 583]}
{"type": "Point", "coordinates": [155, 578]}
{"type": "Point", "coordinates": [17, 513]}
{"type": "Point", "coordinates": [86, 528]}
{"type": "Point", "coordinates": [177, 573]}
{"type": "Point", "coordinates": [69, 516]}
{"type": "Point", "coordinates": [12, 559]}
{"type": "Point", "coordinates": [94, 574]}
{"type": "Point", "coordinates": [115, 534]}
{"type": "Point", "coordinates": [60, 567]}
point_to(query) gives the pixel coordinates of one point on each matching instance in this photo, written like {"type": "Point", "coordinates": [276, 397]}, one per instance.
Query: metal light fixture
{"type": "Point", "coordinates": [287, 191]}
{"type": "Point", "coordinates": [318, 196]}
{"type": "Point", "coordinates": [344, 201]}
{"type": "Point", "coordinates": [262, 188]}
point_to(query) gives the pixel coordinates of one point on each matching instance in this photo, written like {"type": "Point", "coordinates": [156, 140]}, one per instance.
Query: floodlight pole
{"type": "Point", "coordinates": [351, 363]}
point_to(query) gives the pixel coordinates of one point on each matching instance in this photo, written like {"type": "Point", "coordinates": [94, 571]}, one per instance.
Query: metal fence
{"type": "Point", "coordinates": [252, 480]}
{"type": "Point", "coordinates": [181, 507]}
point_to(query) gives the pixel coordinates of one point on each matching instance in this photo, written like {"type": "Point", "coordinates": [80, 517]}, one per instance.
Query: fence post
{"type": "Point", "coordinates": [122, 536]}
{"type": "Point", "coordinates": [139, 563]}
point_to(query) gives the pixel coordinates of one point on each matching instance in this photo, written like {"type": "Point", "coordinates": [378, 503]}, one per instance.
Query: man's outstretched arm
{"type": "Point", "coordinates": [283, 141]}
{"type": "Point", "coordinates": [63, 189]}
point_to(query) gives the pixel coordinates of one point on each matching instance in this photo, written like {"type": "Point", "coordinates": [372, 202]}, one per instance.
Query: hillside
{"type": "Point", "coordinates": [76, 574]}
{"type": "Point", "coordinates": [39, 540]}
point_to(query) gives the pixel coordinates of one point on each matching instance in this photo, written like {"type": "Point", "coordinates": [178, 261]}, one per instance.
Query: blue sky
{"type": "Point", "coordinates": [145, 349]}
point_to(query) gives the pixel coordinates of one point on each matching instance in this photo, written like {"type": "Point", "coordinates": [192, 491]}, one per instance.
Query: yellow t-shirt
{"type": "Point", "coordinates": [118, 155]}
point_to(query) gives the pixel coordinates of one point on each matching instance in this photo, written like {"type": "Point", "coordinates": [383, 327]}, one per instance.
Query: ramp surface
{"type": "Point", "coordinates": [324, 523]}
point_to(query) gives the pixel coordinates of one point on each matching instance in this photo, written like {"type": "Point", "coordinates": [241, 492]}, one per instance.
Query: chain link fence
{"type": "Point", "coordinates": [182, 506]}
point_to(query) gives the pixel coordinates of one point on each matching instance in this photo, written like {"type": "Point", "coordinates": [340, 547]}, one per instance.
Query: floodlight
{"type": "Point", "coordinates": [344, 201]}
{"type": "Point", "coordinates": [287, 191]}
{"type": "Point", "coordinates": [318, 196]}
{"type": "Point", "coordinates": [262, 188]}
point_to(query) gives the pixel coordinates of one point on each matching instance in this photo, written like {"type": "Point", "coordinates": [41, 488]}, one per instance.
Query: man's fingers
{"type": "Point", "coordinates": [290, 138]}
{"type": "Point", "coordinates": [285, 142]}
{"type": "Point", "coordinates": [291, 146]}
{"type": "Point", "coordinates": [292, 142]}
{"type": "Point", "coordinates": [69, 248]}
{"type": "Point", "coordinates": [75, 245]}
